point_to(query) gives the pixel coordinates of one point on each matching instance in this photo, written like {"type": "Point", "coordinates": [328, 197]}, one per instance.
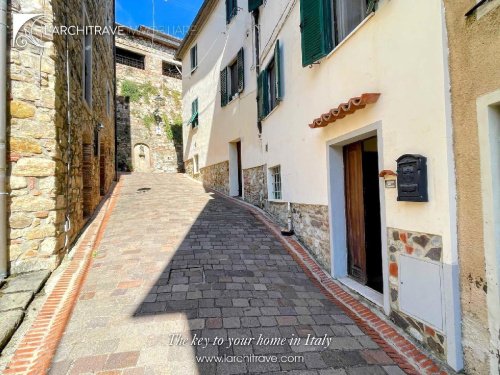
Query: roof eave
{"type": "Point", "coordinates": [201, 17]}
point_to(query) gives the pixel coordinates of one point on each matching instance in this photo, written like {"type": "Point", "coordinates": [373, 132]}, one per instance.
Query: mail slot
{"type": "Point", "coordinates": [412, 178]}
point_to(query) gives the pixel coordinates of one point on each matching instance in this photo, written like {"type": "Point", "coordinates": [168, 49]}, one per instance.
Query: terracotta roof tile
{"type": "Point", "coordinates": [344, 109]}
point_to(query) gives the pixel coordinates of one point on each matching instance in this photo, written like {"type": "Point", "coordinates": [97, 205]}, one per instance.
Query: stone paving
{"type": "Point", "coordinates": [15, 296]}
{"type": "Point", "coordinates": [177, 263]}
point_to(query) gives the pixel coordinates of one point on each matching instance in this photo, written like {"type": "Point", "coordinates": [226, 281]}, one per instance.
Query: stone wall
{"type": "Point", "coordinates": [43, 145]}
{"type": "Point", "coordinates": [310, 224]}
{"type": "Point", "coordinates": [142, 145]}
{"type": "Point", "coordinates": [255, 185]}
{"type": "Point", "coordinates": [421, 246]}
{"type": "Point", "coordinates": [216, 177]}
{"type": "Point", "coordinates": [312, 228]}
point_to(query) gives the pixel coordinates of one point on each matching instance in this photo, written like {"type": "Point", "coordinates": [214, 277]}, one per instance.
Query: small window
{"type": "Point", "coordinates": [194, 57]}
{"type": "Point", "coordinates": [348, 15]}
{"type": "Point", "coordinates": [232, 79]}
{"type": "Point", "coordinates": [196, 165]}
{"type": "Point", "coordinates": [270, 85]}
{"type": "Point", "coordinates": [87, 62]}
{"type": "Point", "coordinates": [275, 174]}
{"type": "Point", "coordinates": [325, 23]}
{"type": "Point", "coordinates": [171, 70]}
{"type": "Point", "coordinates": [108, 99]}
{"type": "Point", "coordinates": [194, 114]}
{"type": "Point", "coordinates": [129, 58]}
{"type": "Point", "coordinates": [231, 9]}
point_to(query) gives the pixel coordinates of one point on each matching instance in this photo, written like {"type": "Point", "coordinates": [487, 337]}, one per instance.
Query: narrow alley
{"type": "Point", "coordinates": [179, 262]}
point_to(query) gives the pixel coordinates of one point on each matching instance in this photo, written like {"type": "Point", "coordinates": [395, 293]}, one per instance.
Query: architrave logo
{"type": "Point", "coordinates": [29, 28]}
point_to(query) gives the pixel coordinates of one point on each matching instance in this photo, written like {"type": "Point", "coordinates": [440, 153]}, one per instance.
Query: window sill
{"type": "Point", "coordinates": [233, 99]}
{"type": "Point", "coordinates": [348, 37]}
{"type": "Point", "coordinates": [276, 200]}
{"type": "Point", "coordinates": [270, 113]}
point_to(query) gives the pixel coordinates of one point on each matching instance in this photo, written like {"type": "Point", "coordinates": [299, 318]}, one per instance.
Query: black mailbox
{"type": "Point", "coordinates": [412, 178]}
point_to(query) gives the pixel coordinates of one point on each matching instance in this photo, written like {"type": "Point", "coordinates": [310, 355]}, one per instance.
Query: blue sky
{"type": "Point", "coordinates": [170, 16]}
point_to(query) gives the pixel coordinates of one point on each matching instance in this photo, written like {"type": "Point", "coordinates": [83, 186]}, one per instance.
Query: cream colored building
{"type": "Point", "coordinates": [474, 35]}
{"type": "Point", "coordinates": [331, 99]}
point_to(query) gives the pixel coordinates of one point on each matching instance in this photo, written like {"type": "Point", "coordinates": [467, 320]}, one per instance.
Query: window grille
{"type": "Point", "coordinates": [130, 58]}
{"type": "Point", "coordinates": [276, 182]}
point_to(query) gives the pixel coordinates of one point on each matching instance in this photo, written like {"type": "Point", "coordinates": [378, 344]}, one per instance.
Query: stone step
{"type": "Point", "coordinates": [15, 301]}
{"type": "Point", "coordinates": [26, 282]}
{"type": "Point", "coordinates": [9, 321]}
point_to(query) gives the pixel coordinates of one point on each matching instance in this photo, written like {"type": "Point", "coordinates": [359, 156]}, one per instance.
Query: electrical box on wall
{"type": "Point", "coordinates": [412, 178]}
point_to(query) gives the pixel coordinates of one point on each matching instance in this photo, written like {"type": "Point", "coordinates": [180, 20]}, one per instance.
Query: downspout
{"type": "Point", "coordinates": [257, 55]}
{"type": "Point", "coordinates": [4, 268]}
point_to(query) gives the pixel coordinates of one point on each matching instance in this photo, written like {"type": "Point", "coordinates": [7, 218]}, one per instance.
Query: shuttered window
{"type": "Point", "coordinates": [254, 4]}
{"type": "Point", "coordinates": [241, 70]}
{"type": "Point", "coordinates": [232, 79]}
{"type": "Point", "coordinates": [262, 94]}
{"type": "Point", "coordinates": [231, 9]}
{"type": "Point", "coordinates": [325, 23]}
{"type": "Point", "coordinates": [315, 21]}
{"type": "Point", "coordinates": [194, 114]}
{"type": "Point", "coordinates": [194, 57]}
{"type": "Point", "coordinates": [223, 87]}
{"type": "Point", "coordinates": [270, 84]}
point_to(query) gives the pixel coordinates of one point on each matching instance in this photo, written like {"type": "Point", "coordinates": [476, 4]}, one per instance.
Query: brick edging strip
{"type": "Point", "coordinates": [38, 346]}
{"type": "Point", "coordinates": [402, 351]}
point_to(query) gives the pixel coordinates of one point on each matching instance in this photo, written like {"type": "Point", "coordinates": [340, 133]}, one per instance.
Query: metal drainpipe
{"type": "Point", "coordinates": [257, 54]}
{"type": "Point", "coordinates": [4, 267]}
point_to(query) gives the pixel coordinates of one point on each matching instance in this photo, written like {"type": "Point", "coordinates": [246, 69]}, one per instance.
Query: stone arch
{"type": "Point", "coordinates": [142, 158]}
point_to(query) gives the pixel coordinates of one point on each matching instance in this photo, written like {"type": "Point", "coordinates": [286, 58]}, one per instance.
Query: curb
{"type": "Point", "coordinates": [37, 348]}
{"type": "Point", "coordinates": [402, 351]}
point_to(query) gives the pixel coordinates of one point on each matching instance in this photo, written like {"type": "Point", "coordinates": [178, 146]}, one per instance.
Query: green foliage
{"type": "Point", "coordinates": [173, 129]}
{"type": "Point", "coordinates": [131, 89]}
{"type": "Point", "coordinates": [149, 120]}
{"type": "Point", "coordinates": [137, 91]}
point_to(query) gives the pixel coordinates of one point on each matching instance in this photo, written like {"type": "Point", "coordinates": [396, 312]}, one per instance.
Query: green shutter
{"type": "Point", "coordinates": [241, 70]}
{"type": "Point", "coordinates": [231, 8]}
{"type": "Point", "coordinates": [372, 5]}
{"type": "Point", "coordinates": [254, 4]}
{"type": "Point", "coordinates": [194, 114]}
{"type": "Point", "coordinates": [316, 30]}
{"type": "Point", "coordinates": [277, 64]}
{"type": "Point", "coordinates": [262, 92]}
{"type": "Point", "coordinates": [223, 87]}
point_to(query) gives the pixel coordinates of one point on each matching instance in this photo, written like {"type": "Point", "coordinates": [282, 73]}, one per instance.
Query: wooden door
{"type": "Point", "coordinates": [355, 211]}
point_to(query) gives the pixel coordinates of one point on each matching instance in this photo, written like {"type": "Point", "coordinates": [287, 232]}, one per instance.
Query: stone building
{"type": "Point", "coordinates": [474, 40]}
{"type": "Point", "coordinates": [149, 122]}
{"type": "Point", "coordinates": [61, 139]}
{"type": "Point", "coordinates": [317, 111]}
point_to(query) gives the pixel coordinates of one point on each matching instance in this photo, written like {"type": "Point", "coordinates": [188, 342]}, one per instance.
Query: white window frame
{"type": "Point", "coordinates": [194, 65]}
{"type": "Point", "coordinates": [87, 61]}
{"type": "Point", "coordinates": [275, 183]}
